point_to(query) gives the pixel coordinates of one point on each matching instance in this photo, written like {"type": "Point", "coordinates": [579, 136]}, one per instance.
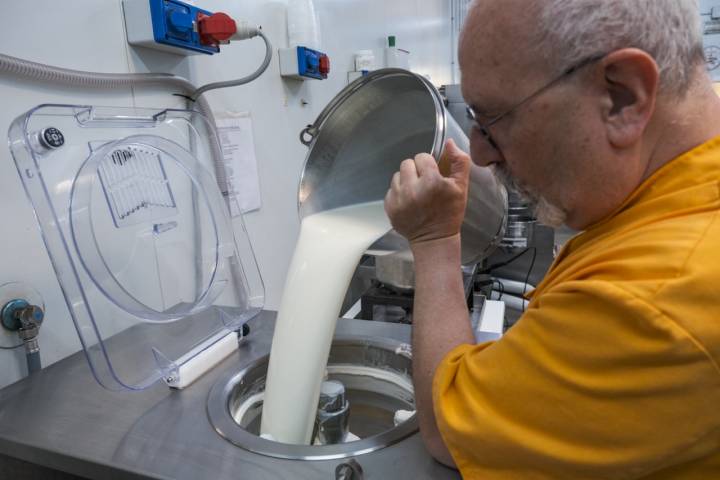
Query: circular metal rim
{"type": "Point", "coordinates": [223, 423]}
{"type": "Point", "coordinates": [315, 130]}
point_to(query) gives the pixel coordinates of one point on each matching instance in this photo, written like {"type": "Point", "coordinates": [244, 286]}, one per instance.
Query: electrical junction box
{"type": "Point", "coordinates": [302, 62]}
{"type": "Point", "coordinates": [169, 25]}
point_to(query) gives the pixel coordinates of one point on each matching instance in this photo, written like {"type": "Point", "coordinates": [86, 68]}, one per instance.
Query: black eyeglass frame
{"type": "Point", "coordinates": [484, 128]}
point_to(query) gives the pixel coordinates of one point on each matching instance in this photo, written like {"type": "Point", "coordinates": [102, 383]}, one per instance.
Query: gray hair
{"type": "Point", "coordinates": [668, 30]}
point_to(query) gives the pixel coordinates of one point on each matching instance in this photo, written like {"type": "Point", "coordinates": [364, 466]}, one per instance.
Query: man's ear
{"type": "Point", "coordinates": [632, 80]}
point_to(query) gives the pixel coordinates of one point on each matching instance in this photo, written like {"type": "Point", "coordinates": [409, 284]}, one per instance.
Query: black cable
{"type": "Point", "coordinates": [527, 277]}
{"type": "Point", "coordinates": [501, 290]}
{"type": "Point", "coordinates": [186, 97]}
{"type": "Point", "coordinates": [505, 263]}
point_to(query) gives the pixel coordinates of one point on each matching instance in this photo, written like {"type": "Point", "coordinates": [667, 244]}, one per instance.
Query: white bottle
{"type": "Point", "coordinates": [396, 57]}
{"type": "Point", "coordinates": [303, 27]}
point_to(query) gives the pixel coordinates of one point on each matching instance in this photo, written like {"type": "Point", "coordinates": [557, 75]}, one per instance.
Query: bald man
{"type": "Point", "coordinates": [601, 114]}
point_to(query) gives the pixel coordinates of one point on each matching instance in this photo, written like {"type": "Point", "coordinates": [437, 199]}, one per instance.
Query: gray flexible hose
{"type": "Point", "coordinates": [77, 78]}
{"type": "Point", "coordinates": [39, 71]}
{"type": "Point", "coordinates": [240, 81]}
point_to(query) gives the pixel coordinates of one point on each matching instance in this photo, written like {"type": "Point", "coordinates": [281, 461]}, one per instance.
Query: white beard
{"type": "Point", "coordinates": [546, 212]}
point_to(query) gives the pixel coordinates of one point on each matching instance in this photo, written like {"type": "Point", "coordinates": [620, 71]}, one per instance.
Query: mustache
{"type": "Point", "coordinates": [545, 211]}
{"type": "Point", "coordinates": [503, 175]}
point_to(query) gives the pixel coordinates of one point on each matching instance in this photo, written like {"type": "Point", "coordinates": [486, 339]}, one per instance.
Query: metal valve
{"type": "Point", "coordinates": [331, 422]}
{"type": "Point", "coordinates": [22, 312]}
{"type": "Point", "coordinates": [19, 316]}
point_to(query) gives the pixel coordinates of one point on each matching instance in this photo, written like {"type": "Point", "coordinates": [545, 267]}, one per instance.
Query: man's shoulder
{"type": "Point", "coordinates": [669, 269]}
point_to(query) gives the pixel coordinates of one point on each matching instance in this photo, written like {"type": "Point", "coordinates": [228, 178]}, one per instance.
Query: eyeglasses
{"type": "Point", "coordinates": [484, 128]}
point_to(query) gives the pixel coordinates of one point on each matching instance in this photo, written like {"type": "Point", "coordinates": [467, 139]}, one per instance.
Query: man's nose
{"type": "Point", "coordinates": [481, 152]}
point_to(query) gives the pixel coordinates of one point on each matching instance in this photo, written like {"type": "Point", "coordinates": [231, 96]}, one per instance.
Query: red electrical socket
{"type": "Point", "coordinates": [324, 65]}
{"type": "Point", "coordinates": [216, 28]}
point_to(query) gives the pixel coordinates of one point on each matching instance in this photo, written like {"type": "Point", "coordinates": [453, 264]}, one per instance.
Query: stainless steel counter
{"type": "Point", "coordinates": [62, 419]}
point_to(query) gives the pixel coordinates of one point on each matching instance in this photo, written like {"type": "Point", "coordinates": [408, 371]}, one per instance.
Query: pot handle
{"type": "Point", "coordinates": [308, 135]}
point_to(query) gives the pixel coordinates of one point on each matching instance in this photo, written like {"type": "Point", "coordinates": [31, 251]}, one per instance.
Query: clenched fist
{"type": "Point", "coordinates": [424, 204]}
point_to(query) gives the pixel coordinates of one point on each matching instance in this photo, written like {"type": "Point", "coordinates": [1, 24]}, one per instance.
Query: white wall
{"type": "Point", "coordinates": [90, 36]}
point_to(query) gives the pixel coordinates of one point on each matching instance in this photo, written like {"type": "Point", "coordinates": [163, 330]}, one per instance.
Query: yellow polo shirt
{"type": "Point", "coordinates": [612, 373]}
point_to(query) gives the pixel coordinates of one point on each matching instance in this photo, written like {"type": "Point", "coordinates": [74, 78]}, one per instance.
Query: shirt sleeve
{"type": "Point", "coordinates": [592, 383]}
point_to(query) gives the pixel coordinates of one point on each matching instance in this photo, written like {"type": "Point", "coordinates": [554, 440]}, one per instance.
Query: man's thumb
{"type": "Point", "coordinates": [454, 163]}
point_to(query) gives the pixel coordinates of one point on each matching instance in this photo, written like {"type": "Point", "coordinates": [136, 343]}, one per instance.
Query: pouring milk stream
{"type": "Point", "coordinates": [328, 250]}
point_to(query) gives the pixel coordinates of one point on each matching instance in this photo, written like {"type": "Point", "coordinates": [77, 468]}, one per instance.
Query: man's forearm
{"type": "Point", "coordinates": [440, 323]}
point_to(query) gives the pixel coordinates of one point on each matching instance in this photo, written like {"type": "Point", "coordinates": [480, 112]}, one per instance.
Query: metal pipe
{"type": "Point", "coordinates": [333, 413]}
{"type": "Point", "coordinates": [34, 363]}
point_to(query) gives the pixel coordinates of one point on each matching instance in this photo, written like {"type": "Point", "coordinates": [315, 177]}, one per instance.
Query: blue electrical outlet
{"type": "Point", "coordinates": [168, 25]}
{"type": "Point", "coordinates": [312, 63]}
{"type": "Point", "coordinates": [173, 24]}
{"type": "Point", "coordinates": [303, 62]}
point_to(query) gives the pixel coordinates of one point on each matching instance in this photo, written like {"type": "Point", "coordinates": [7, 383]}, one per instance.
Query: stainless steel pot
{"type": "Point", "coordinates": [359, 140]}
{"type": "Point", "coordinates": [396, 271]}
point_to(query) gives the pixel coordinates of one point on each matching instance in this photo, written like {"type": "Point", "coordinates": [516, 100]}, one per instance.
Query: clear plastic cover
{"type": "Point", "coordinates": [139, 234]}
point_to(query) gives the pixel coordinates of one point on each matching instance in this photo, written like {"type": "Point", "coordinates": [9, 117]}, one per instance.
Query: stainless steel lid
{"type": "Point", "coordinates": [360, 139]}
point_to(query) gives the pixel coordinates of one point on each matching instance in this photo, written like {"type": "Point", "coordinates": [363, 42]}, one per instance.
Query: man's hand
{"type": "Point", "coordinates": [422, 204]}
{"type": "Point", "coordinates": [426, 204]}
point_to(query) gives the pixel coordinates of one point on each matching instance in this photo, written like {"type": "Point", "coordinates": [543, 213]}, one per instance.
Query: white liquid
{"type": "Point", "coordinates": [328, 250]}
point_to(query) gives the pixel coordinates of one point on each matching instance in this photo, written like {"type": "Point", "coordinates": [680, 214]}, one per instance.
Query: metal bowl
{"type": "Point", "coordinates": [376, 373]}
